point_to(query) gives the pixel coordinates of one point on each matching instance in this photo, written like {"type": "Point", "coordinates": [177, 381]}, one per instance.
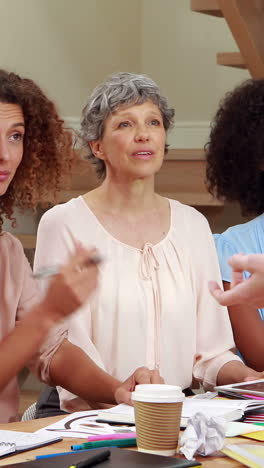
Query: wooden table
{"type": "Point", "coordinates": [65, 445]}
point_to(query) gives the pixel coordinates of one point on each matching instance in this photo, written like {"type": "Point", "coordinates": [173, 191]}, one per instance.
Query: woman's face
{"type": "Point", "coordinates": [133, 142]}
{"type": "Point", "coordinates": [12, 130]}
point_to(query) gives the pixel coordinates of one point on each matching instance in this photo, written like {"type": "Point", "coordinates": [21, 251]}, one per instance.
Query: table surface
{"type": "Point", "coordinates": [65, 445]}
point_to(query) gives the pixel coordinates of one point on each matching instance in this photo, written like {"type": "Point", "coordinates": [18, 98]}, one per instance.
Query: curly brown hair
{"type": "Point", "coordinates": [235, 150]}
{"type": "Point", "coordinates": [47, 149]}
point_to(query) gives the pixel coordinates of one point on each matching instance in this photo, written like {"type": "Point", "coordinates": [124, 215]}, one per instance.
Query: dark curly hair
{"type": "Point", "coordinates": [47, 148]}
{"type": "Point", "coordinates": [235, 150]}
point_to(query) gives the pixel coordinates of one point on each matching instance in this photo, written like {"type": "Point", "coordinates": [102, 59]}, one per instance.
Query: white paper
{"type": "Point", "coordinates": [202, 436]}
{"type": "Point", "coordinates": [82, 424]}
{"type": "Point", "coordinates": [234, 428]}
{"type": "Point", "coordinates": [214, 407]}
{"type": "Point", "coordinates": [11, 441]}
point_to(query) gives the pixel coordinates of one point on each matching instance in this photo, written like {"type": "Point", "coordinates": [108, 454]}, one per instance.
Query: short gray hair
{"type": "Point", "coordinates": [118, 90]}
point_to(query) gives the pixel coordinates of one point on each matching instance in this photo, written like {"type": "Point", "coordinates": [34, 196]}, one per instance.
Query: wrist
{"type": "Point", "coordinates": [232, 372]}
{"type": "Point", "coordinates": [42, 318]}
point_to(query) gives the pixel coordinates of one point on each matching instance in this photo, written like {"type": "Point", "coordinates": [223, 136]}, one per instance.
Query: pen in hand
{"type": "Point", "coordinates": [54, 269]}
{"type": "Point", "coordinates": [92, 461]}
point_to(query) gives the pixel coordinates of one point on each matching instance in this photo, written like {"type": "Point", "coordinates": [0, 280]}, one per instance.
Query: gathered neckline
{"type": "Point", "coordinates": [123, 243]}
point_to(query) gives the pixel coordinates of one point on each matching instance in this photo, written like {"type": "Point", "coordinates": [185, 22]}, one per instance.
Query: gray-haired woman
{"type": "Point", "coordinates": [153, 307]}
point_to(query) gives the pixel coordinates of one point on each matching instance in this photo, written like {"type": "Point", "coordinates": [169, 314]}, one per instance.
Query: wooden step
{"type": "Point", "coordinates": [185, 154]}
{"type": "Point", "coordinates": [187, 197]}
{"type": "Point", "coordinates": [245, 19]}
{"type": "Point", "coordinates": [193, 199]}
{"type": "Point", "coordinates": [182, 176]}
{"type": "Point", "coordinates": [209, 7]}
{"type": "Point", "coordinates": [27, 240]}
{"type": "Point", "coordinates": [231, 59]}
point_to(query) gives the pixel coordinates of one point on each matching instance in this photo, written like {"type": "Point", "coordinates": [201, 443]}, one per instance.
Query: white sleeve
{"type": "Point", "coordinates": [214, 333]}
{"type": "Point", "coordinates": [55, 243]}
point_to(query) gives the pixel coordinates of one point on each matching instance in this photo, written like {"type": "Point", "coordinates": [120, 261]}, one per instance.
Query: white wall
{"type": "Point", "coordinates": [67, 46]}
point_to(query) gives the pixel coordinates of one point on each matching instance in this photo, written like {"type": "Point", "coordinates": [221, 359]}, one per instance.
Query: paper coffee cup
{"type": "Point", "coordinates": [158, 416]}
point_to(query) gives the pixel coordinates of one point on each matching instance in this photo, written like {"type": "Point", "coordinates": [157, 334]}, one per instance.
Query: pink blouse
{"type": "Point", "coordinates": [152, 306]}
{"type": "Point", "coordinates": [19, 292]}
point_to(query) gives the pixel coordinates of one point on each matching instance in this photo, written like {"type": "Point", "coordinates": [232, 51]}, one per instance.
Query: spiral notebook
{"type": "Point", "coordinates": [12, 441]}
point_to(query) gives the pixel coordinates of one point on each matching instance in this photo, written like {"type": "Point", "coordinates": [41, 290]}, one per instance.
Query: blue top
{"type": "Point", "coordinates": [247, 238]}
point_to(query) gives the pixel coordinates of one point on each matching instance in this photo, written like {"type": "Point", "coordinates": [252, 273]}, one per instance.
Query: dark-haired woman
{"type": "Point", "coordinates": [235, 165]}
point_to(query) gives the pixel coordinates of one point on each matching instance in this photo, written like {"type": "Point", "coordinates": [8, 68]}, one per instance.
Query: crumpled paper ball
{"type": "Point", "coordinates": [203, 435]}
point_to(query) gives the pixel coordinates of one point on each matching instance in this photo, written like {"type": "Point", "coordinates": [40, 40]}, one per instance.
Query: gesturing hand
{"type": "Point", "coordinates": [251, 289]}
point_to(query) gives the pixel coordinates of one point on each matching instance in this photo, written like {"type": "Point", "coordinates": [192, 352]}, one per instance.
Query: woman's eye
{"type": "Point", "coordinates": [17, 136]}
{"type": "Point", "coordinates": [155, 122]}
{"type": "Point", "coordinates": [124, 124]}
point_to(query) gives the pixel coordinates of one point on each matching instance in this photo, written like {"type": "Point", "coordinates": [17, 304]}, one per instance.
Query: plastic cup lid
{"type": "Point", "coordinates": [158, 393]}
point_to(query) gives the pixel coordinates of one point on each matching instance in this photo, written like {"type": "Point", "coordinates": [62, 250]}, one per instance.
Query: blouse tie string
{"type": "Point", "coordinates": [148, 270]}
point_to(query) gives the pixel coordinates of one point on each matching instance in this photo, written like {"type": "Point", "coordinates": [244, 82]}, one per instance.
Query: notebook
{"type": "Point", "coordinates": [231, 410]}
{"type": "Point", "coordinates": [11, 441]}
{"type": "Point", "coordinates": [119, 458]}
{"type": "Point", "coordinates": [247, 454]}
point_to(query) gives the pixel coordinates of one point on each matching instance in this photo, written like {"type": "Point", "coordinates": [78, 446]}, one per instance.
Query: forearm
{"type": "Point", "coordinates": [235, 371]}
{"type": "Point", "coordinates": [73, 370]}
{"type": "Point", "coordinates": [248, 329]}
{"type": "Point", "coordinates": [21, 343]}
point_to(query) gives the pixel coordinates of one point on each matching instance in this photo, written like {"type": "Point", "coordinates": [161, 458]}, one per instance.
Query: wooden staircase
{"type": "Point", "coordinates": [182, 177]}
{"type": "Point", "coordinates": [245, 19]}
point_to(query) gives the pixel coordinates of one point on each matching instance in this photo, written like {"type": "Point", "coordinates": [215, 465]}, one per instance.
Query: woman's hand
{"type": "Point", "coordinates": [235, 372]}
{"type": "Point", "coordinates": [142, 375]}
{"type": "Point", "coordinates": [253, 375]}
{"type": "Point", "coordinates": [71, 287]}
{"type": "Point", "coordinates": [250, 290]}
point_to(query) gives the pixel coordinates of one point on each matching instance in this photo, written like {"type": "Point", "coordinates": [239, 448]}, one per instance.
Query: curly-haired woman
{"type": "Point", "coordinates": [35, 155]}
{"type": "Point", "coordinates": [235, 165]}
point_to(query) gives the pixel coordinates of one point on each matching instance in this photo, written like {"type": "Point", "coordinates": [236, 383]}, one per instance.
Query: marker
{"type": "Point", "coordinates": [50, 455]}
{"type": "Point", "coordinates": [122, 435]}
{"type": "Point", "coordinates": [55, 269]}
{"type": "Point", "coordinates": [106, 443]}
{"type": "Point", "coordinates": [92, 461]}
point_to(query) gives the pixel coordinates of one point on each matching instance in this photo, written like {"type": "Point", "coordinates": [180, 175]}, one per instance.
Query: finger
{"type": "Point", "coordinates": [223, 297]}
{"type": "Point", "coordinates": [142, 376]}
{"type": "Point", "coordinates": [240, 293]}
{"type": "Point", "coordinates": [237, 278]}
{"type": "Point", "coordinates": [85, 283]}
{"type": "Point", "coordinates": [251, 263]}
{"type": "Point", "coordinates": [125, 396]}
{"type": "Point", "coordinates": [156, 377]}
{"type": "Point", "coordinates": [237, 261]}
{"type": "Point", "coordinates": [249, 378]}
{"type": "Point", "coordinates": [215, 289]}
{"type": "Point", "coordinates": [81, 258]}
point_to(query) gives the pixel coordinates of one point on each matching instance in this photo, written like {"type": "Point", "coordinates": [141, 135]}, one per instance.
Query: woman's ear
{"type": "Point", "coordinates": [96, 148]}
